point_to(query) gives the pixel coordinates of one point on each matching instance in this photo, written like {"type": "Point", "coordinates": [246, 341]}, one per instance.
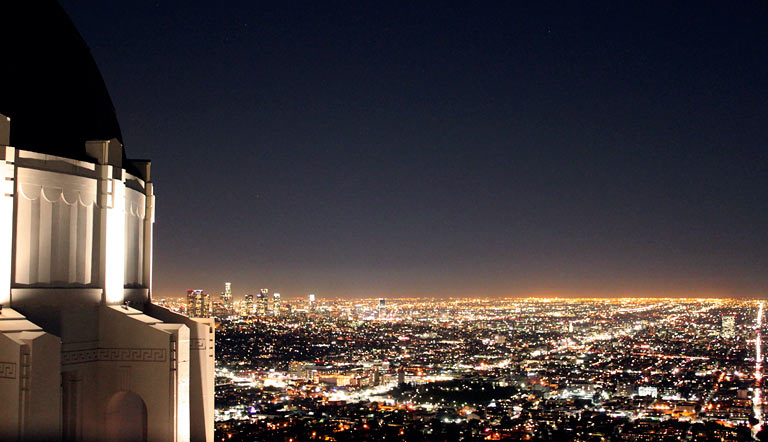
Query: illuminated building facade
{"type": "Point", "coordinates": [84, 354]}
{"type": "Point", "coordinates": [276, 304]}
{"type": "Point", "coordinates": [226, 297]}
{"type": "Point", "coordinates": [249, 307]}
{"type": "Point", "coordinates": [198, 304]}
{"type": "Point", "coordinates": [263, 302]}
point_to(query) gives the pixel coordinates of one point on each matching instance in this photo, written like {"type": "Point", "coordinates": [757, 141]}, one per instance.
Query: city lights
{"type": "Point", "coordinates": [520, 368]}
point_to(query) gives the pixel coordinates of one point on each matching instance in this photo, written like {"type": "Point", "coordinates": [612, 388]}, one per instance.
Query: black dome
{"type": "Point", "coordinates": [50, 85]}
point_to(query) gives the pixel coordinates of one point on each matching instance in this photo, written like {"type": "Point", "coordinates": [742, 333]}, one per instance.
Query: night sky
{"type": "Point", "coordinates": [447, 149]}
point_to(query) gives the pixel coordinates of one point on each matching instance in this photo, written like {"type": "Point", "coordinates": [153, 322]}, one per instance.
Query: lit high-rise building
{"type": "Point", "coordinates": [728, 327]}
{"type": "Point", "coordinates": [198, 304]}
{"type": "Point", "coordinates": [382, 306]}
{"type": "Point", "coordinates": [84, 353]}
{"type": "Point", "coordinates": [249, 307]}
{"type": "Point", "coordinates": [262, 304]}
{"type": "Point", "coordinates": [311, 301]}
{"type": "Point", "coordinates": [276, 304]}
{"type": "Point", "coordinates": [226, 297]}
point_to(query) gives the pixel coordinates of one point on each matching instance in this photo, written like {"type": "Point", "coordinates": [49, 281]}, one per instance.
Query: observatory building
{"type": "Point", "coordinates": [84, 354]}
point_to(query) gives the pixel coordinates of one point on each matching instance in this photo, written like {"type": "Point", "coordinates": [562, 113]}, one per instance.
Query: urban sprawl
{"type": "Point", "coordinates": [484, 369]}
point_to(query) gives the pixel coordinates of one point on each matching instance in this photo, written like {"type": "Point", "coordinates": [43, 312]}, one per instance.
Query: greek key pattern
{"type": "Point", "coordinates": [196, 344]}
{"type": "Point", "coordinates": [8, 370]}
{"type": "Point", "coordinates": [114, 355]}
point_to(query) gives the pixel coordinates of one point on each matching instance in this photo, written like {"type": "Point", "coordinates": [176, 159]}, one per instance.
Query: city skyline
{"type": "Point", "coordinates": [427, 150]}
{"type": "Point", "coordinates": [239, 295]}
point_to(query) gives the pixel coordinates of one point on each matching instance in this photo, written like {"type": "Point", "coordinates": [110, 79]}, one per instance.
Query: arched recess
{"type": "Point", "coordinates": [126, 418]}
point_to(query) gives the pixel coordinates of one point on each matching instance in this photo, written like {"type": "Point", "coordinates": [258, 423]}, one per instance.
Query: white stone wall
{"type": "Point", "coordinates": [66, 215]}
{"type": "Point", "coordinates": [82, 236]}
{"type": "Point", "coordinates": [135, 213]}
{"type": "Point", "coordinates": [54, 229]}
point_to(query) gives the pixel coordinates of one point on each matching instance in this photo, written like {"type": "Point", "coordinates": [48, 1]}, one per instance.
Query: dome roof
{"type": "Point", "coordinates": [50, 85]}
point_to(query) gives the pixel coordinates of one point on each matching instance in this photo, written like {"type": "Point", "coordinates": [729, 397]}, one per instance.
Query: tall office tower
{"type": "Point", "coordinates": [226, 297]}
{"type": "Point", "coordinates": [262, 299]}
{"type": "Point", "coordinates": [249, 307]}
{"type": "Point", "coordinates": [207, 306]}
{"type": "Point", "coordinates": [84, 354]}
{"type": "Point", "coordinates": [276, 304]}
{"type": "Point", "coordinates": [198, 304]}
{"type": "Point", "coordinates": [265, 302]}
{"type": "Point", "coordinates": [382, 306]}
{"type": "Point", "coordinates": [194, 303]}
{"type": "Point", "coordinates": [728, 327]}
{"type": "Point", "coordinates": [311, 302]}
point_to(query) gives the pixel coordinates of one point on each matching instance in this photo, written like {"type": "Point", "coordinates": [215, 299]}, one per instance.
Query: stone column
{"type": "Point", "coordinates": [7, 190]}
{"type": "Point", "coordinates": [149, 220]}
{"type": "Point", "coordinates": [110, 194]}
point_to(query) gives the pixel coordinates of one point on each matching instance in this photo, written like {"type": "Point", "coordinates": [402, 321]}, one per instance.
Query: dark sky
{"type": "Point", "coordinates": [390, 149]}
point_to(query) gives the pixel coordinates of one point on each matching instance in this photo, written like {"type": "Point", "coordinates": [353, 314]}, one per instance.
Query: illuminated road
{"type": "Point", "coordinates": [757, 406]}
